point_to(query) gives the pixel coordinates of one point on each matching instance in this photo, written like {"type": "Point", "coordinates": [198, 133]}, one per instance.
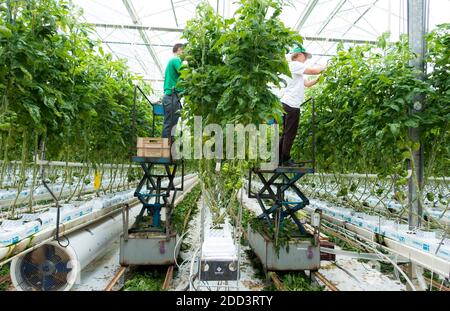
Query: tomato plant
{"type": "Point", "coordinates": [231, 66]}
{"type": "Point", "coordinates": [232, 63]}
{"type": "Point", "coordinates": [58, 85]}
{"type": "Point", "coordinates": [364, 103]}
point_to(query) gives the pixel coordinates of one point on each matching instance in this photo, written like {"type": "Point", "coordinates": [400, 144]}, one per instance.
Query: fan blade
{"type": "Point", "coordinates": [48, 282]}
{"type": "Point", "coordinates": [62, 267]}
{"type": "Point", "coordinates": [28, 267]}
{"type": "Point", "coordinates": [49, 252]}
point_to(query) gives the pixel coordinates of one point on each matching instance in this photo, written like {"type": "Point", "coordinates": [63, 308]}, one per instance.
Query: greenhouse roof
{"type": "Point", "coordinates": [144, 31]}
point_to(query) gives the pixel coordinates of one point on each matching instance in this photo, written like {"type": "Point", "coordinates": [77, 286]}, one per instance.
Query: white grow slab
{"type": "Point", "coordinates": [419, 239]}
{"type": "Point", "coordinates": [422, 240]}
{"type": "Point", "coordinates": [14, 231]}
{"type": "Point", "coordinates": [219, 245]}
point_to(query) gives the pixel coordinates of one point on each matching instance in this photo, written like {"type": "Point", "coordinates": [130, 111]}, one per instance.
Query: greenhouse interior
{"type": "Point", "coordinates": [225, 145]}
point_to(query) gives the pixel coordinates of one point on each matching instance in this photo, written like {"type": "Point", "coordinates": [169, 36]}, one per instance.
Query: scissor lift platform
{"type": "Point", "coordinates": [302, 252]}
{"type": "Point", "coordinates": [151, 241]}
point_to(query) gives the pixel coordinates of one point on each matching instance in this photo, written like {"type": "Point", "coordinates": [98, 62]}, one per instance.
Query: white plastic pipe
{"type": "Point", "coordinates": [84, 246]}
{"type": "Point", "coordinates": [88, 243]}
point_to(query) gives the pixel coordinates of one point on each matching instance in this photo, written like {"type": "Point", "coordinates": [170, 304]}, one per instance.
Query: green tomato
{"type": "Point", "coordinates": [430, 196]}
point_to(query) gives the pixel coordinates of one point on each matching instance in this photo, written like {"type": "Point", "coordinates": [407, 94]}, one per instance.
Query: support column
{"type": "Point", "coordinates": [416, 34]}
{"type": "Point", "coordinates": [417, 28]}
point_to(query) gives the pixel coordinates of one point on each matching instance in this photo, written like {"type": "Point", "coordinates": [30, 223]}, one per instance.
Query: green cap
{"type": "Point", "coordinates": [300, 49]}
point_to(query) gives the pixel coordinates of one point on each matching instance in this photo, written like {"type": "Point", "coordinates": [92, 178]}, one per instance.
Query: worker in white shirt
{"type": "Point", "coordinates": [293, 97]}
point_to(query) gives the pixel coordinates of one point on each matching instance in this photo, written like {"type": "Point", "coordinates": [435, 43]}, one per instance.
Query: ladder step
{"type": "Point", "coordinates": [157, 205]}
{"type": "Point", "coordinates": [153, 195]}
{"type": "Point", "coordinates": [291, 203]}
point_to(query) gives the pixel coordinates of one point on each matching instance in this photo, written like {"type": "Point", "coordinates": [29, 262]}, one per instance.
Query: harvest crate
{"type": "Point", "coordinates": [151, 147]}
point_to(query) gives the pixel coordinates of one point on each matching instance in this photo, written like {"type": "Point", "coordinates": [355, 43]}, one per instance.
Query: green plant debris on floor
{"type": "Point", "coordinates": [4, 271]}
{"type": "Point", "coordinates": [296, 281]}
{"type": "Point", "coordinates": [146, 280]}
{"type": "Point", "coordinates": [186, 209]}
{"type": "Point", "coordinates": [256, 264]}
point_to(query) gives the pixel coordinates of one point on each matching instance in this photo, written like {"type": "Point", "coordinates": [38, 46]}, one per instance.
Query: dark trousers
{"type": "Point", "coordinates": [172, 109]}
{"type": "Point", "coordinates": [290, 126]}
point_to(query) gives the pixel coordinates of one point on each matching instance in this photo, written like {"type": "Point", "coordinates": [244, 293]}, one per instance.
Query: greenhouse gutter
{"type": "Point", "coordinates": [70, 164]}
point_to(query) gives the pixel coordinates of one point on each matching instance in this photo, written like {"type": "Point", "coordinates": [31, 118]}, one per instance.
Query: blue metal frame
{"type": "Point", "coordinates": [283, 179]}
{"type": "Point", "coordinates": [155, 190]}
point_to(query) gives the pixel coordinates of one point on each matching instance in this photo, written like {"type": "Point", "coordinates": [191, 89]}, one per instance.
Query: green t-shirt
{"type": "Point", "coordinates": [171, 75]}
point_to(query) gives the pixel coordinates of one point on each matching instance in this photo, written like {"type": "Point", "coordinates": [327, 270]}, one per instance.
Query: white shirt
{"type": "Point", "coordinates": [294, 93]}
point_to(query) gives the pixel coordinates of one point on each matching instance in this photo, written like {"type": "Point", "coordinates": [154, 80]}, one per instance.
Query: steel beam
{"type": "Point", "coordinates": [325, 39]}
{"type": "Point", "coordinates": [174, 13]}
{"type": "Point", "coordinates": [360, 17]}
{"type": "Point", "coordinates": [331, 16]}
{"type": "Point", "coordinates": [136, 43]}
{"type": "Point", "coordinates": [137, 27]}
{"type": "Point", "coordinates": [180, 30]}
{"type": "Point", "coordinates": [134, 17]}
{"type": "Point", "coordinates": [306, 13]}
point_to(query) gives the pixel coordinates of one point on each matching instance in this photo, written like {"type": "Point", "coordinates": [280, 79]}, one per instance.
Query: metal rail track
{"type": "Point", "coordinates": [326, 282]}
{"type": "Point", "coordinates": [281, 287]}
{"type": "Point", "coordinates": [115, 278]}
{"type": "Point", "coordinates": [168, 279]}
{"type": "Point", "coordinates": [437, 285]}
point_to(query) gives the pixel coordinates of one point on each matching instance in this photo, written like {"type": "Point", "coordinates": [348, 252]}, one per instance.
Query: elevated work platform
{"type": "Point", "coordinates": [151, 240]}
{"type": "Point", "coordinates": [302, 251]}
{"type": "Point", "coordinates": [272, 196]}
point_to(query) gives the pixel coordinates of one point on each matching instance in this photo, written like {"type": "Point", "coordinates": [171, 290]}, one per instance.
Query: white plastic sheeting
{"type": "Point", "coordinates": [12, 232]}
{"type": "Point", "coordinates": [426, 241]}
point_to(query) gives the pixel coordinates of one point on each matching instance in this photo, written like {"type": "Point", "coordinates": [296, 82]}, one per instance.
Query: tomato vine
{"type": "Point", "coordinates": [363, 109]}
{"type": "Point", "coordinates": [58, 85]}
{"type": "Point", "coordinates": [231, 66]}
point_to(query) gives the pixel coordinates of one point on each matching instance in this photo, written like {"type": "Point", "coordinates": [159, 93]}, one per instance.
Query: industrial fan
{"type": "Point", "coordinates": [45, 269]}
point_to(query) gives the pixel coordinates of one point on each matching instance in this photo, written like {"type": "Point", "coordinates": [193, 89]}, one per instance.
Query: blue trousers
{"type": "Point", "coordinates": [172, 110]}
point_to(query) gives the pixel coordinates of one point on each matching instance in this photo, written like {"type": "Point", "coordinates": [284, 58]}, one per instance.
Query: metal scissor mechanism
{"type": "Point", "coordinates": [280, 199]}
{"type": "Point", "coordinates": [154, 192]}
{"type": "Point", "coordinates": [275, 206]}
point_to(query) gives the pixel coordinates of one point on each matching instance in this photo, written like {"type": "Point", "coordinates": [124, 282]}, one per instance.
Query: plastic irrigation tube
{"type": "Point", "coordinates": [83, 246]}
{"type": "Point", "coordinates": [351, 236]}
{"type": "Point", "coordinates": [191, 271]}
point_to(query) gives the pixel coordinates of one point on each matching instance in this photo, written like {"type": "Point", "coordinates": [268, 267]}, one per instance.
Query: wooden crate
{"type": "Point", "coordinates": [151, 147]}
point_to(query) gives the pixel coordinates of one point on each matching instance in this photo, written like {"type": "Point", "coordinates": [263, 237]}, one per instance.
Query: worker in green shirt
{"type": "Point", "coordinates": [171, 100]}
